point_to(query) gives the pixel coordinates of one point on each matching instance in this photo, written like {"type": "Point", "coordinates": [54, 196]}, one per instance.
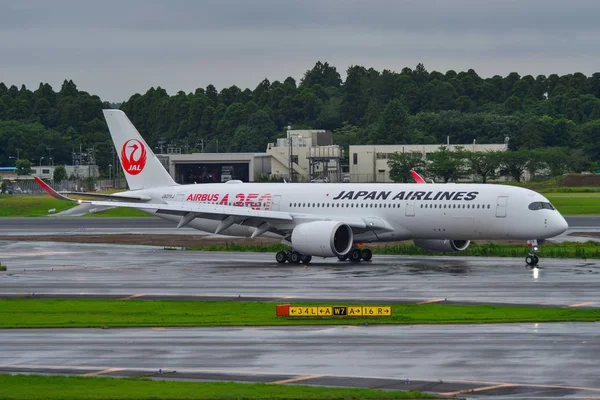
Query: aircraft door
{"type": "Point", "coordinates": [501, 206]}
{"type": "Point", "coordinates": [275, 203]}
{"type": "Point", "coordinates": [410, 208]}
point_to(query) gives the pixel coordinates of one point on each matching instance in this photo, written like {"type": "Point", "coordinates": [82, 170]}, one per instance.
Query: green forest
{"type": "Point", "coordinates": [367, 107]}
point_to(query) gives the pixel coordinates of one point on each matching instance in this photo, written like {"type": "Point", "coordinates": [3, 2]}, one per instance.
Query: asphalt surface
{"type": "Point", "coordinates": [47, 268]}
{"type": "Point", "coordinates": [520, 360]}
{"type": "Point", "coordinates": [507, 361]}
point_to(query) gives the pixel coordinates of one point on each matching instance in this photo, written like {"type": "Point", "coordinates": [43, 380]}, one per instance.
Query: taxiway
{"type": "Point", "coordinates": [520, 360]}
{"type": "Point", "coordinates": [68, 269]}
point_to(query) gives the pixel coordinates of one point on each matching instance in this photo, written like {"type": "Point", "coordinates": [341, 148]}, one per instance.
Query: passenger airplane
{"type": "Point", "coordinates": [328, 219]}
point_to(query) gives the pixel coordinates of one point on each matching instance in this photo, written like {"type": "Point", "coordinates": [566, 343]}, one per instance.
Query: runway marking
{"type": "Point", "coordinates": [133, 296]}
{"type": "Point", "coordinates": [104, 371]}
{"type": "Point", "coordinates": [587, 303]}
{"type": "Point", "coordinates": [298, 379]}
{"type": "Point", "coordinates": [535, 385]}
{"type": "Point", "coordinates": [479, 389]}
{"type": "Point", "coordinates": [431, 301]}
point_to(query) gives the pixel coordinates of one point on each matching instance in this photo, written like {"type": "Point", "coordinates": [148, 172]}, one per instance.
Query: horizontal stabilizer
{"type": "Point", "coordinates": [109, 197]}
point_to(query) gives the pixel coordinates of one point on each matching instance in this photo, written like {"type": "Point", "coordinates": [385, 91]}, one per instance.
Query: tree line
{"type": "Point", "coordinates": [367, 107]}
{"type": "Point", "coordinates": [452, 165]}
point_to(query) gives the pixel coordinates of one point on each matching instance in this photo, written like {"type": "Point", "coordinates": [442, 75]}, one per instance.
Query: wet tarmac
{"type": "Point", "coordinates": [519, 360]}
{"type": "Point", "coordinates": [507, 361]}
{"type": "Point", "coordinates": [67, 269]}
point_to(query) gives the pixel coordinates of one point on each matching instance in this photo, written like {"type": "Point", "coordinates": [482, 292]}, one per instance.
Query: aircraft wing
{"type": "Point", "coordinates": [280, 220]}
{"type": "Point", "coordinates": [211, 211]}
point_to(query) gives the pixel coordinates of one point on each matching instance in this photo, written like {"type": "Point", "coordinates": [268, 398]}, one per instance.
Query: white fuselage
{"type": "Point", "coordinates": [409, 211]}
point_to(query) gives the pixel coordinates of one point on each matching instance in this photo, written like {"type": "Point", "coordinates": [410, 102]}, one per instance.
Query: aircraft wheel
{"type": "Point", "coordinates": [530, 260]}
{"type": "Point", "coordinates": [306, 259]}
{"type": "Point", "coordinates": [536, 260]}
{"type": "Point", "coordinates": [355, 255]}
{"type": "Point", "coordinates": [343, 258]}
{"type": "Point", "coordinates": [294, 257]}
{"type": "Point", "coordinates": [367, 254]}
{"type": "Point", "coordinates": [281, 257]}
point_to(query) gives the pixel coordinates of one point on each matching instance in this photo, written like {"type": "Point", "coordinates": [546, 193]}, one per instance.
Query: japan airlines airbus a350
{"type": "Point", "coordinates": [328, 219]}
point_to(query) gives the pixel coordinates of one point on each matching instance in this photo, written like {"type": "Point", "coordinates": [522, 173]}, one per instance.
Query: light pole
{"type": "Point", "coordinates": [110, 174]}
{"type": "Point", "coordinates": [40, 172]}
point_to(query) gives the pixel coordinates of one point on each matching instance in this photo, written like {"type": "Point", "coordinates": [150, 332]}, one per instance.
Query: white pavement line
{"type": "Point", "coordinates": [431, 301]}
{"type": "Point", "coordinates": [587, 303]}
{"type": "Point", "coordinates": [479, 389]}
{"type": "Point", "coordinates": [104, 371]}
{"type": "Point", "coordinates": [133, 296]}
{"type": "Point", "coordinates": [298, 379]}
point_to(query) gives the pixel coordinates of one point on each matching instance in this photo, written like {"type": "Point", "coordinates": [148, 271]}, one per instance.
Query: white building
{"type": "Point", "coordinates": [369, 163]}
{"type": "Point", "coordinates": [76, 171]}
{"type": "Point", "coordinates": [312, 153]}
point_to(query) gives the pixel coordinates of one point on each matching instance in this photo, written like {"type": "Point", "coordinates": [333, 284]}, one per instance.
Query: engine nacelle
{"type": "Point", "coordinates": [322, 238]}
{"type": "Point", "coordinates": [444, 246]}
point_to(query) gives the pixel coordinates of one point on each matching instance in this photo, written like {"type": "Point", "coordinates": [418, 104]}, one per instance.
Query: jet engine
{"type": "Point", "coordinates": [322, 238]}
{"type": "Point", "coordinates": [444, 246]}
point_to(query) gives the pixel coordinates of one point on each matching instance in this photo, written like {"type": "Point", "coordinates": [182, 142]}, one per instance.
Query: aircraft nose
{"type": "Point", "coordinates": [559, 225]}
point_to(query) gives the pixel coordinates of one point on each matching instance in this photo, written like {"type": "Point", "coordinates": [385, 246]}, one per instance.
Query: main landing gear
{"type": "Point", "coordinates": [293, 257]}
{"type": "Point", "coordinates": [356, 254]}
{"type": "Point", "coordinates": [532, 259]}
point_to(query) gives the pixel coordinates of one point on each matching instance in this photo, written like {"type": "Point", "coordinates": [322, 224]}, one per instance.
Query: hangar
{"type": "Point", "coordinates": [216, 167]}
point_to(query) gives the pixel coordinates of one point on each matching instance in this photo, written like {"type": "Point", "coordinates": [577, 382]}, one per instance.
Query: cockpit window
{"type": "Point", "coordinates": [540, 205]}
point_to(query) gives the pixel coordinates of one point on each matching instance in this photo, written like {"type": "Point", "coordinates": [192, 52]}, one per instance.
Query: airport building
{"type": "Point", "coordinates": [216, 167]}
{"type": "Point", "coordinates": [306, 155]}
{"type": "Point", "coordinates": [302, 156]}
{"type": "Point", "coordinates": [369, 163]}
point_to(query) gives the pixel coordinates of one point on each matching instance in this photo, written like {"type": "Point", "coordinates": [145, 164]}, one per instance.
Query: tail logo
{"type": "Point", "coordinates": [133, 156]}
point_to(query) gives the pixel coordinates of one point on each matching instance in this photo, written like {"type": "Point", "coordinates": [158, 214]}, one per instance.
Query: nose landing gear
{"type": "Point", "coordinates": [532, 259]}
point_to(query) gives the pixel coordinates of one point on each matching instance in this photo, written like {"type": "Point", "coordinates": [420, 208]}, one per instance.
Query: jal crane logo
{"type": "Point", "coordinates": [133, 156]}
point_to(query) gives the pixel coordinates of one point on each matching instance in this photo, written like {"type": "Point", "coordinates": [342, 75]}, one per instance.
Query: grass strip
{"type": "Point", "coordinates": [576, 205]}
{"type": "Point", "coordinates": [67, 313]}
{"type": "Point", "coordinates": [30, 206]}
{"type": "Point", "coordinates": [118, 212]}
{"type": "Point", "coordinates": [590, 249]}
{"type": "Point", "coordinates": [17, 387]}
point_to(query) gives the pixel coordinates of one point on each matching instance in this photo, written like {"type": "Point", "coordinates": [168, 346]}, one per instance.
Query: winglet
{"type": "Point", "coordinates": [416, 176]}
{"type": "Point", "coordinates": [53, 192]}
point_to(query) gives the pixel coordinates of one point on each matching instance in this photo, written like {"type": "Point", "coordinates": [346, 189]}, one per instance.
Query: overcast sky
{"type": "Point", "coordinates": [115, 48]}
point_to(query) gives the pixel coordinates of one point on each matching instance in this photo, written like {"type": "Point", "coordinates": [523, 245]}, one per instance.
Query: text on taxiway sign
{"type": "Point", "coordinates": [338, 311]}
